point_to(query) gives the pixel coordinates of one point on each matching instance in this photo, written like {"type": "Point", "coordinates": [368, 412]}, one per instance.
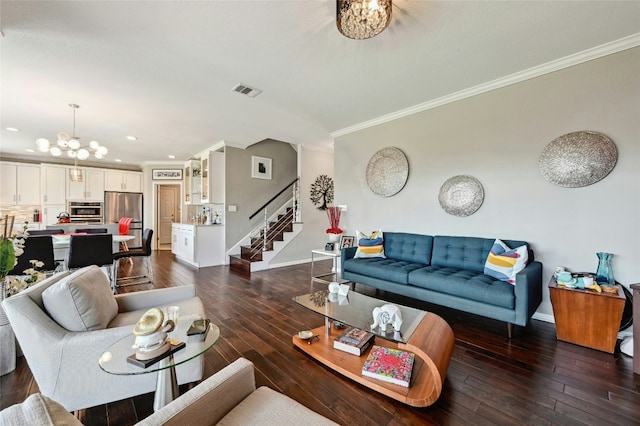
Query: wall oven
{"type": "Point", "coordinates": [85, 212]}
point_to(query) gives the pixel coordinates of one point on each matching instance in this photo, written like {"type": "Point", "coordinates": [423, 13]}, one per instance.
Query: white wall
{"type": "Point", "coordinates": [311, 165]}
{"type": "Point", "coordinates": [149, 189]}
{"type": "Point", "coordinates": [498, 137]}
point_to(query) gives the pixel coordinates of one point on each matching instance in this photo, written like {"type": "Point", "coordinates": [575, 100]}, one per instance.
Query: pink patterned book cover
{"type": "Point", "coordinates": [390, 365]}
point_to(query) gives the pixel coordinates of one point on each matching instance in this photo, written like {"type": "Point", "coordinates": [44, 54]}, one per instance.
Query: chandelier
{"type": "Point", "coordinates": [71, 144]}
{"type": "Point", "coordinates": [360, 19]}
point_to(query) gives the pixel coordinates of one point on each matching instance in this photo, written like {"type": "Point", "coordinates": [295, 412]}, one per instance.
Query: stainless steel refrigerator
{"type": "Point", "coordinates": [125, 204]}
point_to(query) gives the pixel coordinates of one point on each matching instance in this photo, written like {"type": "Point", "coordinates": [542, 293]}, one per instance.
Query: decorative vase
{"type": "Point", "coordinates": [3, 293]}
{"type": "Point", "coordinates": [334, 238]}
{"type": "Point", "coordinates": [604, 274]}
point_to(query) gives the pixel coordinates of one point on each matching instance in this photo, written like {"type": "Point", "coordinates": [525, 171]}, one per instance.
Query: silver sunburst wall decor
{"type": "Point", "coordinates": [578, 159]}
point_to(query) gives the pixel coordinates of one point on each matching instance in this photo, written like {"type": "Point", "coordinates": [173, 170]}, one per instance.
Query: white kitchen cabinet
{"type": "Point", "coordinates": [50, 214]}
{"type": "Point", "coordinates": [90, 189]}
{"type": "Point", "coordinates": [213, 178]}
{"type": "Point", "coordinates": [20, 184]}
{"type": "Point", "coordinates": [198, 245]}
{"type": "Point", "coordinates": [192, 182]}
{"type": "Point", "coordinates": [120, 180]}
{"type": "Point", "coordinates": [53, 184]}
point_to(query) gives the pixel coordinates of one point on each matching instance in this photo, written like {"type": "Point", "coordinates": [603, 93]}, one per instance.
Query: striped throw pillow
{"type": "Point", "coordinates": [370, 245]}
{"type": "Point", "coordinates": [504, 263]}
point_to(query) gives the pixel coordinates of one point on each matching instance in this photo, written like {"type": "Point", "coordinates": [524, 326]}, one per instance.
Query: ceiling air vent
{"type": "Point", "coordinates": [252, 92]}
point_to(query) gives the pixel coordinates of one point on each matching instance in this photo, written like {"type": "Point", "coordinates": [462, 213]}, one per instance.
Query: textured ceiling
{"type": "Point", "coordinates": [164, 71]}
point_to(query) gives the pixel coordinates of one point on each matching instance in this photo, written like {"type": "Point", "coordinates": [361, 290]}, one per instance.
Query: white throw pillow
{"type": "Point", "coordinates": [83, 301]}
{"type": "Point", "coordinates": [504, 263]}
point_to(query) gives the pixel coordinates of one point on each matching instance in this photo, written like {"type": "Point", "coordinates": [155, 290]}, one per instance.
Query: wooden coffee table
{"type": "Point", "coordinates": [425, 334]}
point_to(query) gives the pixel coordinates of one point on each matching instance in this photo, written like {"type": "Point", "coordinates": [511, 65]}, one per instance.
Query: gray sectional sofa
{"type": "Point", "coordinates": [449, 271]}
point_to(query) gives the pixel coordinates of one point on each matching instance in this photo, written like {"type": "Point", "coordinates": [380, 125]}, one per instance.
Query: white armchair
{"type": "Point", "coordinates": [65, 363]}
{"type": "Point", "coordinates": [229, 397]}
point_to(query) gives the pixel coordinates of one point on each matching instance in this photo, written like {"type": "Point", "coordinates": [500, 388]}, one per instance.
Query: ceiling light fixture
{"type": "Point", "coordinates": [12, 129]}
{"type": "Point", "coordinates": [360, 19]}
{"type": "Point", "coordinates": [132, 138]}
{"type": "Point", "coordinates": [71, 145]}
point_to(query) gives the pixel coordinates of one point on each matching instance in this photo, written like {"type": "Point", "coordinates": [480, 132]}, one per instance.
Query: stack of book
{"type": "Point", "coordinates": [353, 341]}
{"type": "Point", "coordinates": [390, 365]}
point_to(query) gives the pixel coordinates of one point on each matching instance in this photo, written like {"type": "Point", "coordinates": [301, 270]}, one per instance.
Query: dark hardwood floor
{"type": "Point", "coordinates": [530, 379]}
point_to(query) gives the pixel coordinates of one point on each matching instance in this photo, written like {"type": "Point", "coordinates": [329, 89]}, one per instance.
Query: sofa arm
{"type": "Point", "coordinates": [211, 400]}
{"type": "Point", "coordinates": [347, 253]}
{"type": "Point", "coordinates": [528, 292]}
{"type": "Point", "coordinates": [147, 299]}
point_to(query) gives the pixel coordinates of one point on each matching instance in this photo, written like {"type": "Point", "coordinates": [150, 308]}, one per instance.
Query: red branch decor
{"type": "Point", "coordinates": [333, 213]}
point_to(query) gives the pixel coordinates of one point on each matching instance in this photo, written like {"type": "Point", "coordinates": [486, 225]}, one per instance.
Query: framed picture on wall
{"type": "Point", "coordinates": [166, 174]}
{"type": "Point", "coordinates": [260, 167]}
{"type": "Point", "coordinates": [346, 241]}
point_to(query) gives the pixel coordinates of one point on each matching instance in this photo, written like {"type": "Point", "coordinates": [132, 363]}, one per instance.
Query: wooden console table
{"type": "Point", "coordinates": [586, 317]}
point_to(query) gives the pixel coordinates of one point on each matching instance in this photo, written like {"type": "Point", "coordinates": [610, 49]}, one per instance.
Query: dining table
{"type": "Point", "coordinates": [61, 244]}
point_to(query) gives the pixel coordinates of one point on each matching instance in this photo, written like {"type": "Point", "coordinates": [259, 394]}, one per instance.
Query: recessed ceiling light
{"type": "Point", "coordinates": [117, 160]}
{"type": "Point", "coordinates": [12, 129]}
{"type": "Point", "coordinates": [31, 150]}
{"type": "Point", "coordinates": [132, 138]}
{"type": "Point", "coordinates": [172, 156]}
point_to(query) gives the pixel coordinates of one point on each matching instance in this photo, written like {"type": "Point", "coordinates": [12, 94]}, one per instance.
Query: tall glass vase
{"type": "Point", "coordinates": [604, 274]}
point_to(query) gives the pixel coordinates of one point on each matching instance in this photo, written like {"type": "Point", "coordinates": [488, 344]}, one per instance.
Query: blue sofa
{"type": "Point", "coordinates": [449, 271]}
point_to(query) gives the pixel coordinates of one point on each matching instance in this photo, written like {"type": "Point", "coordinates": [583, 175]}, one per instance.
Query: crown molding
{"type": "Point", "coordinates": [606, 49]}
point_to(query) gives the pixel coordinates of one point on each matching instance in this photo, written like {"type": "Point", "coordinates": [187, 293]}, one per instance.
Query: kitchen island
{"type": "Point", "coordinates": [198, 245]}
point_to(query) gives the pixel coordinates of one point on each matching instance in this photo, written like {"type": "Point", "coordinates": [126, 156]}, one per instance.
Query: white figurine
{"type": "Point", "coordinates": [387, 314]}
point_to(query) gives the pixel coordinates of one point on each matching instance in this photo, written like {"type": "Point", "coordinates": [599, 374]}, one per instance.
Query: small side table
{"type": "Point", "coordinates": [114, 359]}
{"type": "Point", "coordinates": [334, 255]}
{"type": "Point", "coordinates": [585, 317]}
{"type": "Point", "coordinates": [636, 327]}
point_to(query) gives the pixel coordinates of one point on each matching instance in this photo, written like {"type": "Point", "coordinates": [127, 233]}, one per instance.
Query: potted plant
{"type": "Point", "coordinates": [334, 231]}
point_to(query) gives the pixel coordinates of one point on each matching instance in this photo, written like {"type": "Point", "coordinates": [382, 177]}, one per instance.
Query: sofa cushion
{"type": "Point", "coordinates": [82, 301]}
{"type": "Point", "coordinates": [464, 283]}
{"type": "Point", "coordinates": [268, 407]}
{"type": "Point", "coordinates": [396, 271]}
{"type": "Point", "coordinates": [38, 410]}
{"type": "Point", "coordinates": [412, 248]}
{"type": "Point", "coordinates": [504, 263]}
{"type": "Point", "coordinates": [464, 252]}
{"type": "Point", "coordinates": [370, 245]}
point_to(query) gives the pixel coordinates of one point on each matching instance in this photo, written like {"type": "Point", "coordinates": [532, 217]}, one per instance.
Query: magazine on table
{"type": "Point", "coordinates": [389, 365]}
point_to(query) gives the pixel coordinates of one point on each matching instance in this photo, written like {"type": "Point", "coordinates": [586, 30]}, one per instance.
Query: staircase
{"type": "Point", "coordinates": [257, 252]}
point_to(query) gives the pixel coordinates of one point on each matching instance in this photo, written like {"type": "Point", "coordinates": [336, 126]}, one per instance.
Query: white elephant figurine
{"type": "Point", "coordinates": [387, 314]}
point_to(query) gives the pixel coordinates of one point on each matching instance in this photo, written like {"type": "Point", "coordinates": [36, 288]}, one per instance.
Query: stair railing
{"type": "Point", "coordinates": [295, 185]}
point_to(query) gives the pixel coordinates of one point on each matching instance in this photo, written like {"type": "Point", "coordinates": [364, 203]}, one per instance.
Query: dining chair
{"type": "Point", "coordinates": [145, 252]}
{"type": "Point", "coordinates": [91, 249]}
{"type": "Point", "coordinates": [91, 231]}
{"type": "Point", "coordinates": [35, 232]}
{"type": "Point", "coordinates": [36, 248]}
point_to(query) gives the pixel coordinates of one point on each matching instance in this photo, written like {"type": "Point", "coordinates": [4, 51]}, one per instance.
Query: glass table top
{"type": "Point", "coordinates": [114, 359]}
{"type": "Point", "coordinates": [356, 310]}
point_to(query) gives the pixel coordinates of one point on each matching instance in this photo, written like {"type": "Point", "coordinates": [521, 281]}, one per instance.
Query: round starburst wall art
{"type": "Point", "coordinates": [387, 172]}
{"type": "Point", "coordinates": [461, 195]}
{"type": "Point", "coordinates": [578, 159]}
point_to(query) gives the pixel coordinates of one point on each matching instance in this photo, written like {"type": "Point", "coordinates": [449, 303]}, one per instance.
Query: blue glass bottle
{"type": "Point", "coordinates": [604, 274]}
